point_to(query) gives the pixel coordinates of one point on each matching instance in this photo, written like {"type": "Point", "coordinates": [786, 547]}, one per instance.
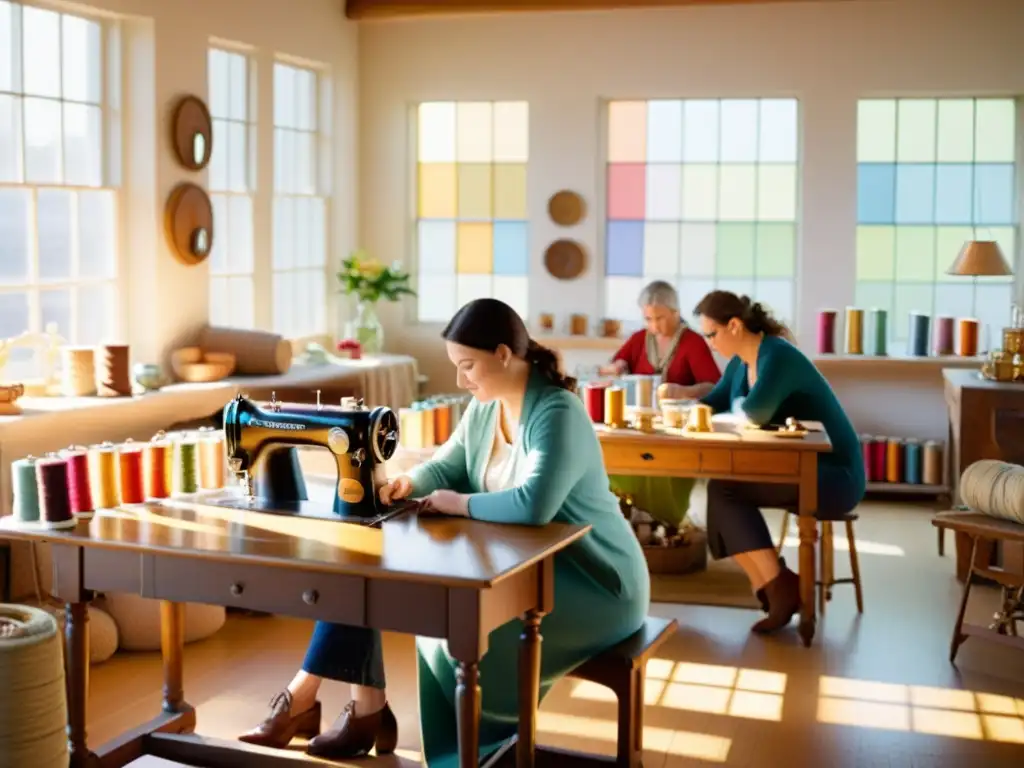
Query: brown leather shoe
{"type": "Point", "coordinates": [354, 736]}
{"type": "Point", "coordinates": [281, 726]}
{"type": "Point", "coordinates": [783, 596]}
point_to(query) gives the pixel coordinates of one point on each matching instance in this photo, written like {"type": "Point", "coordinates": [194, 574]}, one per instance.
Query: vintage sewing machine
{"type": "Point", "coordinates": [261, 444]}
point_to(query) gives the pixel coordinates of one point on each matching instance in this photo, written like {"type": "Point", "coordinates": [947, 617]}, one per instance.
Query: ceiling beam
{"type": "Point", "coordinates": [393, 9]}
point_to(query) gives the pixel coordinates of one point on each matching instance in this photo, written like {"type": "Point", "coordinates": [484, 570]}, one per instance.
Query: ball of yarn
{"type": "Point", "coordinates": [994, 488]}
{"type": "Point", "coordinates": [33, 704]}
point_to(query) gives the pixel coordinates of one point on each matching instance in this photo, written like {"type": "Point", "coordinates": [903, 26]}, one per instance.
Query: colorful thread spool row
{"type": "Point", "coordinates": [431, 422]}
{"type": "Point", "coordinates": [904, 461]}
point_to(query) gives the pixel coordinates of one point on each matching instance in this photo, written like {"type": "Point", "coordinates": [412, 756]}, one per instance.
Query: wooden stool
{"type": "Point", "coordinates": [979, 528]}
{"type": "Point", "coordinates": [826, 559]}
{"type": "Point", "coordinates": [623, 669]}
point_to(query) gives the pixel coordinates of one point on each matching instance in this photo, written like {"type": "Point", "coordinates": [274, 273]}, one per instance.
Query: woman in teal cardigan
{"type": "Point", "coordinates": [767, 381]}
{"type": "Point", "coordinates": [524, 453]}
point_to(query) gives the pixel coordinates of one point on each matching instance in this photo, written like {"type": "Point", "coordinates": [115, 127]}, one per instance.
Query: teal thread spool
{"type": "Point", "coordinates": [187, 482]}
{"type": "Point", "coordinates": [879, 338]}
{"type": "Point", "coordinates": [26, 490]}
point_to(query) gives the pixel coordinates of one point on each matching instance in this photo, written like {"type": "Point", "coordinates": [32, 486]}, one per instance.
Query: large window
{"type": "Point", "coordinates": [300, 204]}
{"type": "Point", "coordinates": [701, 193]}
{"type": "Point", "coordinates": [232, 185]}
{"type": "Point", "coordinates": [931, 174]}
{"type": "Point", "coordinates": [471, 205]}
{"type": "Point", "coordinates": [58, 205]}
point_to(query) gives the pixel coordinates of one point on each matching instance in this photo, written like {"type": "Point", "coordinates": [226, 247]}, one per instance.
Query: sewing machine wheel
{"type": "Point", "coordinates": [384, 434]}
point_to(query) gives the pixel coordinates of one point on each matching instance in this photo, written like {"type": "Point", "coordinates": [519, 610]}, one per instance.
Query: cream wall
{"type": "Point", "coordinates": [827, 55]}
{"type": "Point", "coordinates": [164, 53]}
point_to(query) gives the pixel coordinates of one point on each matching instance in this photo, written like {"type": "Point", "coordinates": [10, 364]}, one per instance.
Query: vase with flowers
{"type": "Point", "coordinates": [368, 281]}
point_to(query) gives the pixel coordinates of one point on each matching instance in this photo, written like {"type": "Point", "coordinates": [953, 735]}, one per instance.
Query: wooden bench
{"type": "Point", "coordinates": [623, 669]}
{"type": "Point", "coordinates": [979, 528]}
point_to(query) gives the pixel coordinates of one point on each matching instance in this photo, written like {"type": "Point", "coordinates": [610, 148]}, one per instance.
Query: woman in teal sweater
{"type": "Point", "coordinates": [524, 453]}
{"type": "Point", "coordinates": [767, 381]}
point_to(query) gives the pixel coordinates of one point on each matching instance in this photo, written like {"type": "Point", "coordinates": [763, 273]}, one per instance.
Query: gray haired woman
{"type": "Point", "coordinates": [668, 348]}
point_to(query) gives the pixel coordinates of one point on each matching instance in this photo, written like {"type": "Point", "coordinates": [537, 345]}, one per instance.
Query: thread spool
{"type": "Point", "coordinates": [827, 332]}
{"type": "Point", "coordinates": [932, 463]}
{"type": "Point", "coordinates": [211, 462]}
{"type": "Point", "coordinates": [615, 407]}
{"type": "Point", "coordinates": [26, 492]}
{"type": "Point", "coordinates": [33, 707]}
{"type": "Point", "coordinates": [917, 334]}
{"type": "Point", "coordinates": [854, 331]}
{"type": "Point", "coordinates": [154, 467]}
{"type": "Point", "coordinates": [78, 371]}
{"type": "Point", "coordinates": [442, 423]}
{"type": "Point", "coordinates": [409, 432]}
{"type": "Point", "coordinates": [185, 462]}
{"type": "Point", "coordinates": [593, 399]}
{"type": "Point", "coordinates": [866, 443]}
{"type": "Point", "coordinates": [54, 497]}
{"type": "Point", "coordinates": [578, 325]}
{"type": "Point", "coordinates": [112, 371]}
{"type": "Point", "coordinates": [879, 453]}
{"type": "Point", "coordinates": [103, 474]}
{"type": "Point", "coordinates": [894, 460]}
{"type": "Point", "coordinates": [942, 343]}
{"type": "Point", "coordinates": [912, 468]}
{"type": "Point", "coordinates": [129, 459]}
{"type": "Point", "coordinates": [699, 418]}
{"type": "Point", "coordinates": [967, 333]}
{"type": "Point", "coordinates": [644, 392]}
{"type": "Point", "coordinates": [994, 488]}
{"type": "Point", "coordinates": [79, 484]}
{"type": "Point", "coordinates": [879, 323]}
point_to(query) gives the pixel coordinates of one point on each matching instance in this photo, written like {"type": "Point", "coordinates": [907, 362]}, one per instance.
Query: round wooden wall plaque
{"type": "Point", "coordinates": [566, 208]}
{"type": "Point", "coordinates": [192, 136]}
{"type": "Point", "coordinates": [565, 259]}
{"type": "Point", "coordinates": [188, 219]}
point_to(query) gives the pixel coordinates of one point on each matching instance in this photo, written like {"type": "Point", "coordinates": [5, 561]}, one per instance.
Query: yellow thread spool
{"type": "Point", "coordinates": [103, 472]}
{"type": "Point", "coordinates": [894, 460]}
{"type": "Point", "coordinates": [699, 419]}
{"type": "Point", "coordinates": [211, 462]}
{"type": "Point", "coordinates": [615, 407]}
{"type": "Point", "coordinates": [854, 331]}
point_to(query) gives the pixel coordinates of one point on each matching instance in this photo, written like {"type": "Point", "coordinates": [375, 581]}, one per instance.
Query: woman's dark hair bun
{"type": "Point", "coordinates": [723, 306]}
{"type": "Point", "coordinates": [546, 362]}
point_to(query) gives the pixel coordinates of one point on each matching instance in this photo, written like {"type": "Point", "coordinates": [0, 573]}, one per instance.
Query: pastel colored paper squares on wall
{"type": "Point", "coordinates": [472, 235]}
{"type": "Point", "coordinates": [704, 193]}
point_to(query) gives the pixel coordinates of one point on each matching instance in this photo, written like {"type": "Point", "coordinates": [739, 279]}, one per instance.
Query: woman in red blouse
{"type": "Point", "coordinates": [688, 370]}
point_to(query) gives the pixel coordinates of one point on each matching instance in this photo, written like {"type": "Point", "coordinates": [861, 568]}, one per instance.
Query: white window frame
{"type": "Point", "coordinates": [111, 130]}
{"type": "Point", "coordinates": [322, 168]}
{"type": "Point", "coordinates": [221, 280]}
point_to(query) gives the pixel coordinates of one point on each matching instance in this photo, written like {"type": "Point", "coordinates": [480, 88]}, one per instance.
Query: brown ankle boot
{"type": "Point", "coordinates": [783, 597]}
{"type": "Point", "coordinates": [281, 726]}
{"type": "Point", "coordinates": [355, 735]}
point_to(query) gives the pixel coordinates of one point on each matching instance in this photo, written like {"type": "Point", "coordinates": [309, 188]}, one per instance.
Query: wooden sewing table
{"type": "Point", "coordinates": [441, 577]}
{"type": "Point", "coordinates": [732, 452]}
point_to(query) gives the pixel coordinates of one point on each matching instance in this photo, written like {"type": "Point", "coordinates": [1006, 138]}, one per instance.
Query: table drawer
{"type": "Point", "coordinates": [777, 463]}
{"type": "Point", "coordinates": [330, 597]}
{"type": "Point", "coordinates": [654, 459]}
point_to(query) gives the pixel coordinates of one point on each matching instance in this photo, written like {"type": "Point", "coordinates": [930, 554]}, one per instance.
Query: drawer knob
{"type": "Point", "coordinates": [647, 456]}
{"type": "Point", "coordinates": [236, 589]}
{"type": "Point", "coordinates": [310, 596]}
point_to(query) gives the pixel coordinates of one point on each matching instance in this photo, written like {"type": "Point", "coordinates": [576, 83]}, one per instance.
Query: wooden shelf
{"type": "Point", "coordinates": [561, 342]}
{"type": "Point", "coordinates": [908, 489]}
{"type": "Point", "coordinates": [935, 361]}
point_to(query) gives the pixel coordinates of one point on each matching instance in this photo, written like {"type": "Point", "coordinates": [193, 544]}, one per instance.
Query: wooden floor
{"type": "Point", "coordinates": [873, 691]}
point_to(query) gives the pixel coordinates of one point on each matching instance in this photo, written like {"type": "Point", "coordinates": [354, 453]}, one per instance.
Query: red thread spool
{"type": "Point", "coordinates": [54, 496]}
{"type": "Point", "coordinates": [130, 465]}
{"type": "Point", "coordinates": [593, 398]}
{"type": "Point", "coordinates": [79, 487]}
{"type": "Point", "coordinates": [155, 461]}
{"type": "Point", "coordinates": [878, 459]}
{"type": "Point", "coordinates": [866, 441]}
{"type": "Point", "coordinates": [827, 332]}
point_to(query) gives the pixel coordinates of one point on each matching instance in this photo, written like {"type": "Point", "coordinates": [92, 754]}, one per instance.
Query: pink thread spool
{"type": "Point", "coordinates": [942, 341]}
{"type": "Point", "coordinates": [827, 332]}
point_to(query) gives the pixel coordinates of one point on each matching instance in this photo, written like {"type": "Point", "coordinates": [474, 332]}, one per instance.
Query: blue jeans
{"type": "Point", "coordinates": [346, 654]}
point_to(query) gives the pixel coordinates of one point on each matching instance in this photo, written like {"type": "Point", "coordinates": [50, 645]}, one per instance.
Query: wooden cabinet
{"type": "Point", "coordinates": [986, 421]}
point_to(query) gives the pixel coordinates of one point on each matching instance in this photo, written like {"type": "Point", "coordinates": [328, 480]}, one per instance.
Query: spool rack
{"type": "Point", "coordinates": [902, 487]}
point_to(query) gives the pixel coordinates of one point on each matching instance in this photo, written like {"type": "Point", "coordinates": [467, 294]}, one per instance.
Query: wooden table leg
{"type": "Point", "coordinates": [467, 707]}
{"type": "Point", "coordinates": [529, 688]}
{"type": "Point", "coordinates": [172, 652]}
{"type": "Point", "coordinates": [958, 635]}
{"type": "Point", "coordinates": [808, 526]}
{"type": "Point", "coordinates": [76, 670]}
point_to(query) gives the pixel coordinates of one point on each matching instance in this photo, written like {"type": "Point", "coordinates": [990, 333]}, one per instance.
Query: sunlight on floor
{"type": "Point", "coordinates": [922, 709]}
{"type": "Point", "coordinates": [841, 544]}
